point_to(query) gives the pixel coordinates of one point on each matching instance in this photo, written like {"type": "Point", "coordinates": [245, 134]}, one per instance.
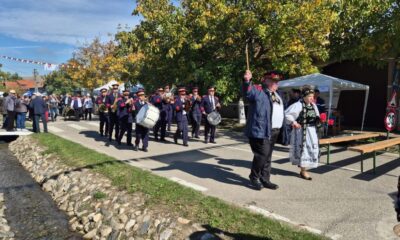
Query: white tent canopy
{"type": "Point", "coordinates": [329, 86]}
{"type": "Point", "coordinates": [108, 86]}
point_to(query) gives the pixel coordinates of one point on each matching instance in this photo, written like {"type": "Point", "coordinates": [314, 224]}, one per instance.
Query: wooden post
{"type": "Point", "coordinates": [247, 57]}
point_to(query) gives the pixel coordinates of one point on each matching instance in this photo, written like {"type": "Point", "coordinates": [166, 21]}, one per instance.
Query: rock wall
{"type": "Point", "coordinates": [96, 209]}
{"type": "Point", "coordinates": [5, 230]}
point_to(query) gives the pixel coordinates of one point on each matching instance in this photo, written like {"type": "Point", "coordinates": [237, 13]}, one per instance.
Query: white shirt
{"type": "Point", "coordinates": [212, 102]}
{"type": "Point", "coordinates": [277, 112]}
{"type": "Point", "coordinates": [183, 104]}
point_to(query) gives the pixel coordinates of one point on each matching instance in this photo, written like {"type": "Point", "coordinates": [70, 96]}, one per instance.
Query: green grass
{"type": "Point", "coordinates": [99, 195]}
{"type": "Point", "coordinates": [160, 192]}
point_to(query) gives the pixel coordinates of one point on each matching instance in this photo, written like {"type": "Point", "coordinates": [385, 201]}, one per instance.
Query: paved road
{"type": "Point", "coordinates": [340, 201]}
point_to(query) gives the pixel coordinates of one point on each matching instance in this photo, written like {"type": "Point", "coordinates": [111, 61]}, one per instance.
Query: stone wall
{"type": "Point", "coordinates": [5, 230]}
{"type": "Point", "coordinates": [96, 209]}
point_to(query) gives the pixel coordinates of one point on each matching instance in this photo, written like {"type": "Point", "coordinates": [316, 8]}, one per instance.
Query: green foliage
{"type": "Point", "coordinates": [59, 82]}
{"type": "Point", "coordinates": [7, 76]}
{"type": "Point", "coordinates": [202, 42]}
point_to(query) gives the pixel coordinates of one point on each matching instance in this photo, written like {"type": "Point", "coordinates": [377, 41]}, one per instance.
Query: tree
{"type": "Point", "coordinates": [203, 42]}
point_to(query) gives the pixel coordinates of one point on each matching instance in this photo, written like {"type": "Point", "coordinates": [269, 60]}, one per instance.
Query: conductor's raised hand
{"type": "Point", "coordinates": [247, 75]}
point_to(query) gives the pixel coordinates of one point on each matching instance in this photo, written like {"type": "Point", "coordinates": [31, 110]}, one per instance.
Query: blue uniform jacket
{"type": "Point", "coordinates": [110, 100]}
{"type": "Point", "coordinates": [259, 120]}
{"type": "Point", "coordinates": [124, 110]}
{"type": "Point", "coordinates": [179, 107]}
{"type": "Point", "coordinates": [196, 106]}
{"type": "Point", "coordinates": [206, 105]}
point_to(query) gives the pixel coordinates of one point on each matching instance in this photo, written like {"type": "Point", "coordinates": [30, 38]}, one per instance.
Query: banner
{"type": "Point", "coordinates": [47, 66]}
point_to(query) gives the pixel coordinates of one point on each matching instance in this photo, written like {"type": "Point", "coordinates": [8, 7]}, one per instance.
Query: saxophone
{"type": "Point", "coordinates": [114, 106]}
{"type": "Point", "coordinates": [102, 106]}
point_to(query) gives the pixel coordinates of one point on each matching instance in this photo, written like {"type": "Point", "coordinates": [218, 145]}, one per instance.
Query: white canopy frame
{"type": "Point", "coordinates": [335, 85]}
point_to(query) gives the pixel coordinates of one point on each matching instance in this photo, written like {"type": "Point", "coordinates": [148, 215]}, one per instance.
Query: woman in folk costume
{"type": "Point", "coordinates": [303, 116]}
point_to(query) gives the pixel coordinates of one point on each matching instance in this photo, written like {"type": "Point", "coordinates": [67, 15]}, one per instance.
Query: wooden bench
{"type": "Point", "coordinates": [375, 147]}
{"type": "Point", "coordinates": [329, 141]}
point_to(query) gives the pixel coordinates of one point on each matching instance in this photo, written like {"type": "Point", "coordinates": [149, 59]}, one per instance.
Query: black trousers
{"type": "Point", "coordinates": [10, 120]}
{"type": "Point", "coordinates": [103, 123]}
{"type": "Point", "coordinates": [125, 126]}
{"type": "Point", "coordinates": [196, 122]}
{"type": "Point", "coordinates": [88, 111]}
{"type": "Point", "coordinates": [262, 150]}
{"type": "Point", "coordinates": [209, 130]}
{"type": "Point", "coordinates": [113, 122]}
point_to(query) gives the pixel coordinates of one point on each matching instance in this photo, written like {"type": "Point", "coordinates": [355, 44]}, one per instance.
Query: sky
{"type": "Point", "coordinates": [50, 30]}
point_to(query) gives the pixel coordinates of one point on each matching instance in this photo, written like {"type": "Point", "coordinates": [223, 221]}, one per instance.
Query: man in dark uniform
{"type": "Point", "coordinates": [169, 108]}
{"type": "Point", "coordinates": [264, 125]}
{"type": "Point", "coordinates": [141, 132]}
{"type": "Point", "coordinates": [181, 116]}
{"type": "Point", "coordinates": [158, 102]}
{"type": "Point", "coordinates": [124, 112]}
{"type": "Point", "coordinates": [209, 103]}
{"type": "Point", "coordinates": [103, 112]}
{"type": "Point", "coordinates": [112, 106]}
{"type": "Point", "coordinates": [195, 112]}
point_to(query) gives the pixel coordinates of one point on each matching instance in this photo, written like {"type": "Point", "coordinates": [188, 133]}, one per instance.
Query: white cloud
{"type": "Point", "coordinates": [64, 21]}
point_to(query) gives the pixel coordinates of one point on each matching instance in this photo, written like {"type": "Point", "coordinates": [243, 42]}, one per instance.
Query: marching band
{"type": "Point", "coordinates": [155, 113]}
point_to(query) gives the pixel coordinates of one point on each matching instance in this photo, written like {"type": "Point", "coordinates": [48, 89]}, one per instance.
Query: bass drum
{"type": "Point", "coordinates": [214, 118]}
{"type": "Point", "coordinates": [148, 116]}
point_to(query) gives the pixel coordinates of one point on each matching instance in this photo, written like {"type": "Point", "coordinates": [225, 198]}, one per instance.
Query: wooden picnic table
{"type": "Point", "coordinates": [374, 147]}
{"type": "Point", "coordinates": [329, 141]}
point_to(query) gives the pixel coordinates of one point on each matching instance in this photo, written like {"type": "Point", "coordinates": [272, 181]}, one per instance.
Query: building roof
{"type": "Point", "coordinates": [24, 84]}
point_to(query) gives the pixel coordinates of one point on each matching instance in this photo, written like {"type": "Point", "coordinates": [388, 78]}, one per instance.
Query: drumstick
{"type": "Point", "coordinates": [247, 56]}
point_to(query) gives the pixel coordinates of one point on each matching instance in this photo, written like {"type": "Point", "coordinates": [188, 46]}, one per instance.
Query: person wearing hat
{"type": "Point", "coordinates": [181, 109]}
{"type": "Point", "coordinates": [141, 132]}
{"type": "Point", "coordinates": [265, 122]}
{"type": "Point", "coordinates": [209, 103]}
{"type": "Point", "coordinates": [195, 112]}
{"type": "Point", "coordinates": [101, 102]}
{"type": "Point", "coordinates": [125, 109]}
{"type": "Point", "coordinates": [169, 107]}
{"type": "Point", "coordinates": [161, 124]}
{"type": "Point", "coordinates": [10, 104]}
{"type": "Point", "coordinates": [303, 116]}
{"type": "Point", "coordinates": [111, 104]}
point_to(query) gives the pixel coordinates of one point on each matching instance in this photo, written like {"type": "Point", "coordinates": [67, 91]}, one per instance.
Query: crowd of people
{"type": "Point", "coordinates": [16, 109]}
{"type": "Point", "coordinates": [118, 112]}
{"type": "Point", "coordinates": [270, 119]}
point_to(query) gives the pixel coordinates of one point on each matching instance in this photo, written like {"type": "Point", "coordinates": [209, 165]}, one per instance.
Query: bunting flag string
{"type": "Point", "coordinates": [47, 66]}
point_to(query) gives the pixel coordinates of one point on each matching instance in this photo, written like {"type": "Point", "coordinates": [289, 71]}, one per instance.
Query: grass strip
{"type": "Point", "coordinates": [234, 221]}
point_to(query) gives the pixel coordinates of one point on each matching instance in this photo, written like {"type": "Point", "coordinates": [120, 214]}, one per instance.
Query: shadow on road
{"type": "Point", "coordinates": [247, 164]}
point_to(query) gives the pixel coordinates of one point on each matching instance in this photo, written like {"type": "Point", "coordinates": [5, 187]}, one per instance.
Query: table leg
{"type": "Point", "coordinates": [362, 164]}
{"type": "Point", "coordinates": [374, 162]}
{"type": "Point", "coordinates": [329, 154]}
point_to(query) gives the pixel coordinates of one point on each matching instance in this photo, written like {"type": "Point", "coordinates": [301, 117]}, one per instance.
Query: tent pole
{"type": "Point", "coordinates": [329, 107]}
{"type": "Point", "coordinates": [365, 108]}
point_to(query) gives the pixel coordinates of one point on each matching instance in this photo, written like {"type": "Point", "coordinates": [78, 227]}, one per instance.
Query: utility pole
{"type": "Point", "coordinates": [35, 73]}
